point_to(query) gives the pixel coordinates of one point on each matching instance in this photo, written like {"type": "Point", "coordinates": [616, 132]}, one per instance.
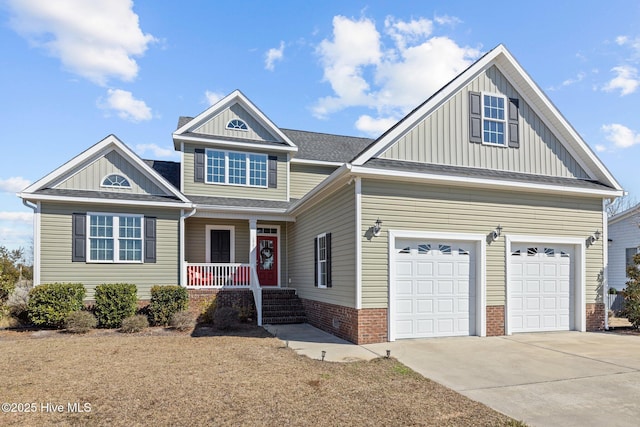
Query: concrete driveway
{"type": "Point", "coordinates": [544, 379]}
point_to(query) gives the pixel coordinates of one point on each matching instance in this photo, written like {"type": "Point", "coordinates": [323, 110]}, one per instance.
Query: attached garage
{"type": "Point", "coordinates": [434, 288]}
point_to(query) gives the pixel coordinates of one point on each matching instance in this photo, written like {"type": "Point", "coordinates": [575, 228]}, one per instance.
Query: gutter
{"type": "Point", "coordinates": [36, 240]}
{"type": "Point", "coordinates": [183, 270]}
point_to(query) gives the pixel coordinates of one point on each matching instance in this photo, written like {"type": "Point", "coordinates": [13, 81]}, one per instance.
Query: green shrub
{"type": "Point", "coordinates": [207, 310]}
{"type": "Point", "coordinates": [6, 288]}
{"type": "Point", "coordinates": [51, 303]}
{"type": "Point", "coordinates": [80, 322]}
{"type": "Point", "coordinates": [182, 321]}
{"type": "Point", "coordinates": [114, 302]}
{"type": "Point", "coordinates": [225, 318]}
{"type": "Point", "coordinates": [165, 302]}
{"type": "Point", "coordinates": [631, 294]}
{"type": "Point", "coordinates": [135, 323]}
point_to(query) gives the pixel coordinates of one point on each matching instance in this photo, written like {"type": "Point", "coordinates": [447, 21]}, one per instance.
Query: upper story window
{"type": "Point", "coordinates": [493, 120]}
{"type": "Point", "coordinates": [234, 168]}
{"type": "Point", "coordinates": [115, 180]}
{"type": "Point", "coordinates": [237, 124]}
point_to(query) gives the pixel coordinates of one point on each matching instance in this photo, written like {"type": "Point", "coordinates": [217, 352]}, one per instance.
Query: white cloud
{"type": "Point", "coordinates": [447, 20]}
{"type": "Point", "coordinates": [273, 55]}
{"type": "Point", "coordinates": [391, 71]}
{"type": "Point", "coordinates": [626, 80]}
{"type": "Point", "coordinates": [126, 106]}
{"type": "Point", "coordinates": [213, 97]}
{"type": "Point", "coordinates": [96, 39]}
{"type": "Point", "coordinates": [621, 136]}
{"type": "Point", "coordinates": [16, 216]}
{"type": "Point", "coordinates": [374, 126]}
{"type": "Point", "coordinates": [570, 81]}
{"type": "Point", "coordinates": [156, 150]}
{"type": "Point", "coordinates": [14, 184]}
{"type": "Point", "coordinates": [600, 148]}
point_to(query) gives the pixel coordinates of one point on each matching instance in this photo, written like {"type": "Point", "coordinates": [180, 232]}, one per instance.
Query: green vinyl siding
{"type": "Point", "coordinates": [305, 177]}
{"type": "Point", "coordinates": [91, 177]}
{"type": "Point", "coordinates": [55, 251]}
{"type": "Point", "coordinates": [335, 215]}
{"type": "Point", "coordinates": [223, 190]}
{"type": "Point", "coordinates": [443, 137]}
{"type": "Point", "coordinates": [409, 206]}
{"type": "Point", "coordinates": [218, 126]}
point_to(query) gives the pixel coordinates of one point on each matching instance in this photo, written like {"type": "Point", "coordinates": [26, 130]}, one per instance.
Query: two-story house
{"type": "Point", "coordinates": [479, 213]}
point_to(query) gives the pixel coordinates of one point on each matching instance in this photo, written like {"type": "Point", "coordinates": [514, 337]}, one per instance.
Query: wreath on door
{"type": "Point", "coordinates": [266, 253]}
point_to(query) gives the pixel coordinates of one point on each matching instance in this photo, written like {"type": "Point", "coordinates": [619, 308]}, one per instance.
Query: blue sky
{"type": "Point", "coordinates": [73, 72]}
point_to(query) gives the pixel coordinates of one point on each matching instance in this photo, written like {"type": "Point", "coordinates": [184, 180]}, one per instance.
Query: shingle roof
{"type": "Point", "coordinates": [168, 170]}
{"type": "Point", "coordinates": [326, 147]}
{"type": "Point", "coordinates": [183, 120]}
{"type": "Point", "coordinates": [462, 171]}
{"type": "Point", "coordinates": [107, 195]}
{"type": "Point", "coordinates": [244, 203]}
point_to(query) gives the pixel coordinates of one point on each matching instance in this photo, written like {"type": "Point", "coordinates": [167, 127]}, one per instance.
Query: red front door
{"type": "Point", "coordinates": [267, 262]}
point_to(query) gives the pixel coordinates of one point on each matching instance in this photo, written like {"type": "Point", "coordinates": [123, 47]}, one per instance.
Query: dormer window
{"type": "Point", "coordinates": [237, 124]}
{"type": "Point", "coordinates": [115, 180]}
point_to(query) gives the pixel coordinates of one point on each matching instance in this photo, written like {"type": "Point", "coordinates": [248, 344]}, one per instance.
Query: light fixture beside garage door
{"type": "Point", "coordinates": [593, 238]}
{"type": "Point", "coordinates": [377, 227]}
{"type": "Point", "coordinates": [495, 234]}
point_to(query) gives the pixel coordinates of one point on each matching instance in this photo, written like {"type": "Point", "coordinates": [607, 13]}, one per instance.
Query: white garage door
{"type": "Point", "coordinates": [541, 291]}
{"type": "Point", "coordinates": [434, 289]}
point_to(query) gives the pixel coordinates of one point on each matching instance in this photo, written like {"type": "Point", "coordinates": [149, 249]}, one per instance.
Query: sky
{"type": "Point", "coordinates": [74, 71]}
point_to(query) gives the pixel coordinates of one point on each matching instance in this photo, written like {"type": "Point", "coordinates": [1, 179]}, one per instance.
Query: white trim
{"type": "Point", "coordinates": [579, 271]}
{"type": "Point", "coordinates": [504, 121]}
{"type": "Point", "coordinates": [120, 187]}
{"type": "Point", "coordinates": [479, 241]}
{"type": "Point", "coordinates": [358, 194]}
{"type": "Point", "coordinates": [232, 241]}
{"type": "Point", "coordinates": [272, 147]}
{"type": "Point", "coordinates": [479, 182]}
{"type": "Point", "coordinates": [182, 166]}
{"type": "Point", "coordinates": [37, 244]}
{"type": "Point", "coordinates": [246, 126]}
{"type": "Point", "coordinates": [288, 176]}
{"type": "Point", "coordinates": [316, 162]}
{"type": "Point", "coordinates": [63, 199]}
{"type": "Point", "coordinates": [605, 260]}
{"type": "Point", "coordinates": [115, 226]}
{"type": "Point", "coordinates": [223, 214]}
{"type": "Point", "coordinates": [278, 236]}
{"type": "Point", "coordinates": [235, 97]}
{"type": "Point", "coordinates": [247, 162]}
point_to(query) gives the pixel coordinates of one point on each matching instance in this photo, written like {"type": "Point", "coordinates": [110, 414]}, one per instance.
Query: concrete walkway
{"type": "Point", "coordinates": [544, 379]}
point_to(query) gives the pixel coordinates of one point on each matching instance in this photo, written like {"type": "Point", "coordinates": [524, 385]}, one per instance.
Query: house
{"type": "Point", "coordinates": [479, 213]}
{"type": "Point", "coordinates": [624, 241]}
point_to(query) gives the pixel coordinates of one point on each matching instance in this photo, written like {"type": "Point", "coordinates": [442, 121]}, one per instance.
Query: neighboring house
{"type": "Point", "coordinates": [624, 243]}
{"type": "Point", "coordinates": [476, 214]}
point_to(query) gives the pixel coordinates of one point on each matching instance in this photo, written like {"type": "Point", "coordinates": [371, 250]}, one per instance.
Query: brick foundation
{"type": "Point", "coordinates": [495, 320]}
{"type": "Point", "coordinates": [595, 317]}
{"type": "Point", "coordinates": [365, 326]}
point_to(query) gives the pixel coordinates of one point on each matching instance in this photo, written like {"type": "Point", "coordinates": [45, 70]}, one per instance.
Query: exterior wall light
{"type": "Point", "coordinates": [593, 238]}
{"type": "Point", "coordinates": [495, 234]}
{"type": "Point", "coordinates": [377, 227]}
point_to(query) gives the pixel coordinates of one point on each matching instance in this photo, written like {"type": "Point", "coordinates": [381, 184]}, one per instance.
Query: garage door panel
{"type": "Point", "coordinates": [540, 288]}
{"type": "Point", "coordinates": [424, 287]}
{"type": "Point", "coordinates": [404, 268]}
{"type": "Point", "coordinates": [424, 306]}
{"type": "Point", "coordinates": [425, 268]}
{"type": "Point", "coordinates": [404, 287]}
{"type": "Point", "coordinates": [424, 327]}
{"type": "Point", "coordinates": [445, 326]}
{"type": "Point", "coordinates": [404, 327]}
{"type": "Point", "coordinates": [445, 287]}
{"type": "Point", "coordinates": [445, 269]}
{"type": "Point", "coordinates": [445, 306]}
{"type": "Point", "coordinates": [404, 306]}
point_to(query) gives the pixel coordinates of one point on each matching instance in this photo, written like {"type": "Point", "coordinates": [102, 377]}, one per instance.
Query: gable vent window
{"type": "Point", "coordinates": [493, 124]}
{"type": "Point", "coordinates": [237, 124]}
{"type": "Point", "coordinates": [115, 180]}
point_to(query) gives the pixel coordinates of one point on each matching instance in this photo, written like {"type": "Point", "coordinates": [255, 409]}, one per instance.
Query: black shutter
{"type": "Point", "coordinates": [514, 141]}
{"type": "Point", "coordinates": [328, 263]}
{"type": "Point", "coordinates": [79, 237]}
{"type": "Point", "coordinates": [475, 117]}
{"type": "Point", "coordinates": [198, 165]}
{"type": "Point", "coordinates": [149, 239]}
{"type": "Point", "coordinates": [273, 172]}
{"type": "Point", "coordinates": [315, 262]}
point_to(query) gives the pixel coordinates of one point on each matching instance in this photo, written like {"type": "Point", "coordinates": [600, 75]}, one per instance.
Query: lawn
{"type": "Point", "coordinates": [245, 378]}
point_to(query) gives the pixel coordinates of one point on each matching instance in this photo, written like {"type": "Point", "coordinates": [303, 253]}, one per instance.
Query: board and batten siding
{"type": "Point", "coordinates": [335, 215]}
{"type": "Point", "coordinates": [305, 177]}
{"type": "Point", "coordinates": [91, 177]}
{"type": "Point", "coordinates": [218, 126]}
{"type": "Point", "coordinates": [239, 191]}
{"type": "Point", "coordinates": [55, 251]}
{"type": "Point", "coordinates": [443, 137]}
{"type": "Point", "coordinates": [418, 207]}
{"type": "Point", "coordinates": [623, 234]}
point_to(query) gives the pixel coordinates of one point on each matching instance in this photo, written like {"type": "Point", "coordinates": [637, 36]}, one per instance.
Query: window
{"type": "Point", "coordinates": [115, 180]}
{"type": "Point", "coordinates": [230, 167]}
{"type": "Point", "coordinates": [629, 254]}
{"type": "Point", "coordinates": [322, 258]}
{"type": "Point", "coordinates": [493, 120]}
{"type": "Point", "coordinates": [115, 238]}
{"type": "Point", "coordinates": [237, 124]}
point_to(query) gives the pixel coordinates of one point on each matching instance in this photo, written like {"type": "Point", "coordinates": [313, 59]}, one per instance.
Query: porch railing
{"type": "Point", "coordinates": [234, 276]}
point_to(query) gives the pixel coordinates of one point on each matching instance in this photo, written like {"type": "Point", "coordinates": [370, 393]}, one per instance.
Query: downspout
{"type": "Point", "coordinates": [36, 240]}
{"type": "Point", "coordinates": [183, 270]}
{"type": "Point", "coordinates": [605, 269]}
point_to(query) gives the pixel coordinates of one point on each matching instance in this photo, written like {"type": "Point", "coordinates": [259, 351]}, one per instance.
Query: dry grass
{"type": "Point", "coordinates": [171, 378]}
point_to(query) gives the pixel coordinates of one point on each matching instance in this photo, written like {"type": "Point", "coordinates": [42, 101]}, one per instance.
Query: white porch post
{"type": "Point", "coordinates": [253, 242]}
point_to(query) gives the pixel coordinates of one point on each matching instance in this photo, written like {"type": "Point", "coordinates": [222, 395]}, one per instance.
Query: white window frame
{"type": "Point", "coordinates": [226, 168]}
{"type": "Point", "coordinates": [322, 261]}
{"type": "Point", "coordinates": [234, 128]}
{"type": "Point", "coordinates": [504, 121]}
{"type": "Point", "coordinates": [232, 240]}
{"type": "Point", "coordinates": [124, 187]}
{"type": "Point", "coordinates": [115, 237]}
